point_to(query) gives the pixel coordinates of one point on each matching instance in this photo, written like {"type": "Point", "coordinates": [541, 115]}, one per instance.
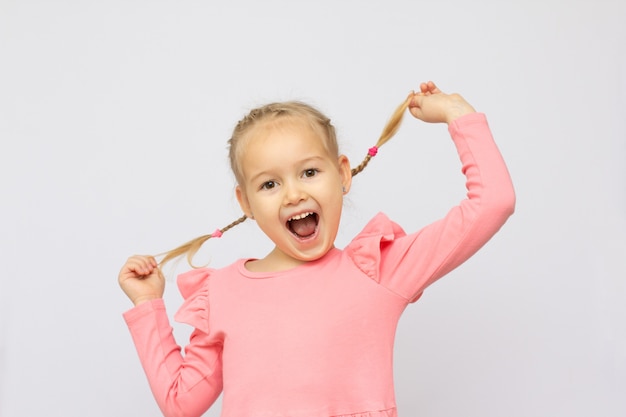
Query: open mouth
{"type": "Point", "coordinates": [303, 225]}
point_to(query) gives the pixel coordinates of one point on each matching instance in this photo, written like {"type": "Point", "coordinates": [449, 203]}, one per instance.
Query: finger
{"type": "Point", "coordinates": [432, 87]}
{"type": "Point", "coordinates": [416, 112]}
{"type": "Point", "coordinates": [145, 259]}
{"type": "Point", "coordinates": [416, 101]}
{"type": "Point", "coordinates": [141, 265]}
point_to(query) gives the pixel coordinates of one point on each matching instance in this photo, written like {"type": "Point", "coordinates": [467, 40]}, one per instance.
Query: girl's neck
{"type": "Point", "coordinates": [275, 261]}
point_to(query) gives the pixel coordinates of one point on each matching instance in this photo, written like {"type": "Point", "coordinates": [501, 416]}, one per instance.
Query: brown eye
{"type": "Point", "coordinates": [268, 185]}
{"type": "Point", "coordinates": [310, 173]}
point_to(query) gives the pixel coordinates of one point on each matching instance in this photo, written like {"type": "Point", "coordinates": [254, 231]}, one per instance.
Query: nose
{"type": "Point", "coordinates": [293, 193]}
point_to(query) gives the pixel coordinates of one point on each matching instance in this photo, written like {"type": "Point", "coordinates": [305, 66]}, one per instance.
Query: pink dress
{"type": "Point", "coordinates": [317, 340]}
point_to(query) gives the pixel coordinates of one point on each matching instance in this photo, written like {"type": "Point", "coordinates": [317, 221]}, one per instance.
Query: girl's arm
{"type": "Point", "coordinates": [490, 201]}
{"type": "Point", "coordinates": [407, 264]}
{"type": "Point", "coordinates": [182, 385]}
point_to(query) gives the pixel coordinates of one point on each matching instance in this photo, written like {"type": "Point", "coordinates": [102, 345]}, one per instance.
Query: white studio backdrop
{"type": "Point", "coordinates": [114, 118]}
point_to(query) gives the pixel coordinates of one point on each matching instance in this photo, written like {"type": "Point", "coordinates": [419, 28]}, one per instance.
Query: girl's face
{"type": "Point", "coordinates": [294, 190]}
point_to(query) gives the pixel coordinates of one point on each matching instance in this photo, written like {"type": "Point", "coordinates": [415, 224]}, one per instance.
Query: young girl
{"type": "Point", "coordinates": [308, 330]}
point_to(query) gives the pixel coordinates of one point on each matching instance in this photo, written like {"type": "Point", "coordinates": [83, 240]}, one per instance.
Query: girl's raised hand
{"type": "Point", "coordinates": [432, 105]}
{"type": "Point", "coordinates": [141, 279]}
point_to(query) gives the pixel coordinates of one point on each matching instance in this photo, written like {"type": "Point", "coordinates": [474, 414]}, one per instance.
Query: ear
{"type": "Point", "coordinates": [243, 201]}
{"type": "Point", "coordinates": [345, 172]}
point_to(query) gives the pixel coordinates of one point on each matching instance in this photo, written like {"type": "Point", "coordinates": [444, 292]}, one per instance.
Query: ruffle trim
{"type": "Point", "coordinates": [365, 249]}
{"type": "Point", "coordinates": [194, 287]}
{"type": "Point", "coordinates": [391, 412]}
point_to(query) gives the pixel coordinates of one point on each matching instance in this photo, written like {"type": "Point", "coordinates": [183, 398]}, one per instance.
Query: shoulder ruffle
{"type": "Point", "coordinates": [365, 249]}
{"type": "Point", "coordinates": [194, 287]}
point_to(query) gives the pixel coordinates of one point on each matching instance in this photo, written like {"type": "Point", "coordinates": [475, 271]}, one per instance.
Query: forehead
{"type": "Point", "coordinates": [281, 142]}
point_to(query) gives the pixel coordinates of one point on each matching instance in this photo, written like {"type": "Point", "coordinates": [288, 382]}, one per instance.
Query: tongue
{"type": "Point", "coordinates": [304, 227]}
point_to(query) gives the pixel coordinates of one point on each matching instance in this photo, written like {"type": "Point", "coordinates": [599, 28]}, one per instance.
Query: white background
{"type": "Point", "coordinates": [114, 117]}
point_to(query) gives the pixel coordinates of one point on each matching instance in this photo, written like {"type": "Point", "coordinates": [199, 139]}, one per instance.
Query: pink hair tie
{"type": "Point", "coordinates": [372, 151]}
{"type": "Point", "coordinates": [217, 233]}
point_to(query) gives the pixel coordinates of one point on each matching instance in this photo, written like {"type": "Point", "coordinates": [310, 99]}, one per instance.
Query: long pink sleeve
{"type": "Point", "coordinates": [181, 386]}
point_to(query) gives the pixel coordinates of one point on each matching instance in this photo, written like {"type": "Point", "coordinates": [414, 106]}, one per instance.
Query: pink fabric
{"type": "Point", "coordinates": [317, 340]}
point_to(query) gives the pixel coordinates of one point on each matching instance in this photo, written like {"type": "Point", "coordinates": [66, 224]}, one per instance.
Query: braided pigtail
{"type": "Point", "coordinates": [193, 246]}
{"type": "Point", "coordinates": [390, 129]}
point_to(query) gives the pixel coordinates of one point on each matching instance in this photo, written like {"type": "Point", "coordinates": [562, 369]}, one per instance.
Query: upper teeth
{"type": "Point", "coordinates": [301, 216]}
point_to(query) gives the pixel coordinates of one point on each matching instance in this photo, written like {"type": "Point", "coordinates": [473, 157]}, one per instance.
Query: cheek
{"type": "Point", "coordinates": [336, 199]}
{"type": "Point", "coordinates": [263, 206]}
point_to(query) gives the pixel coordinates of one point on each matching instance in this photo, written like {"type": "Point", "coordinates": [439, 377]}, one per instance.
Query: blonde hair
{"type": "Point", "coordinates": [264, 116]}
